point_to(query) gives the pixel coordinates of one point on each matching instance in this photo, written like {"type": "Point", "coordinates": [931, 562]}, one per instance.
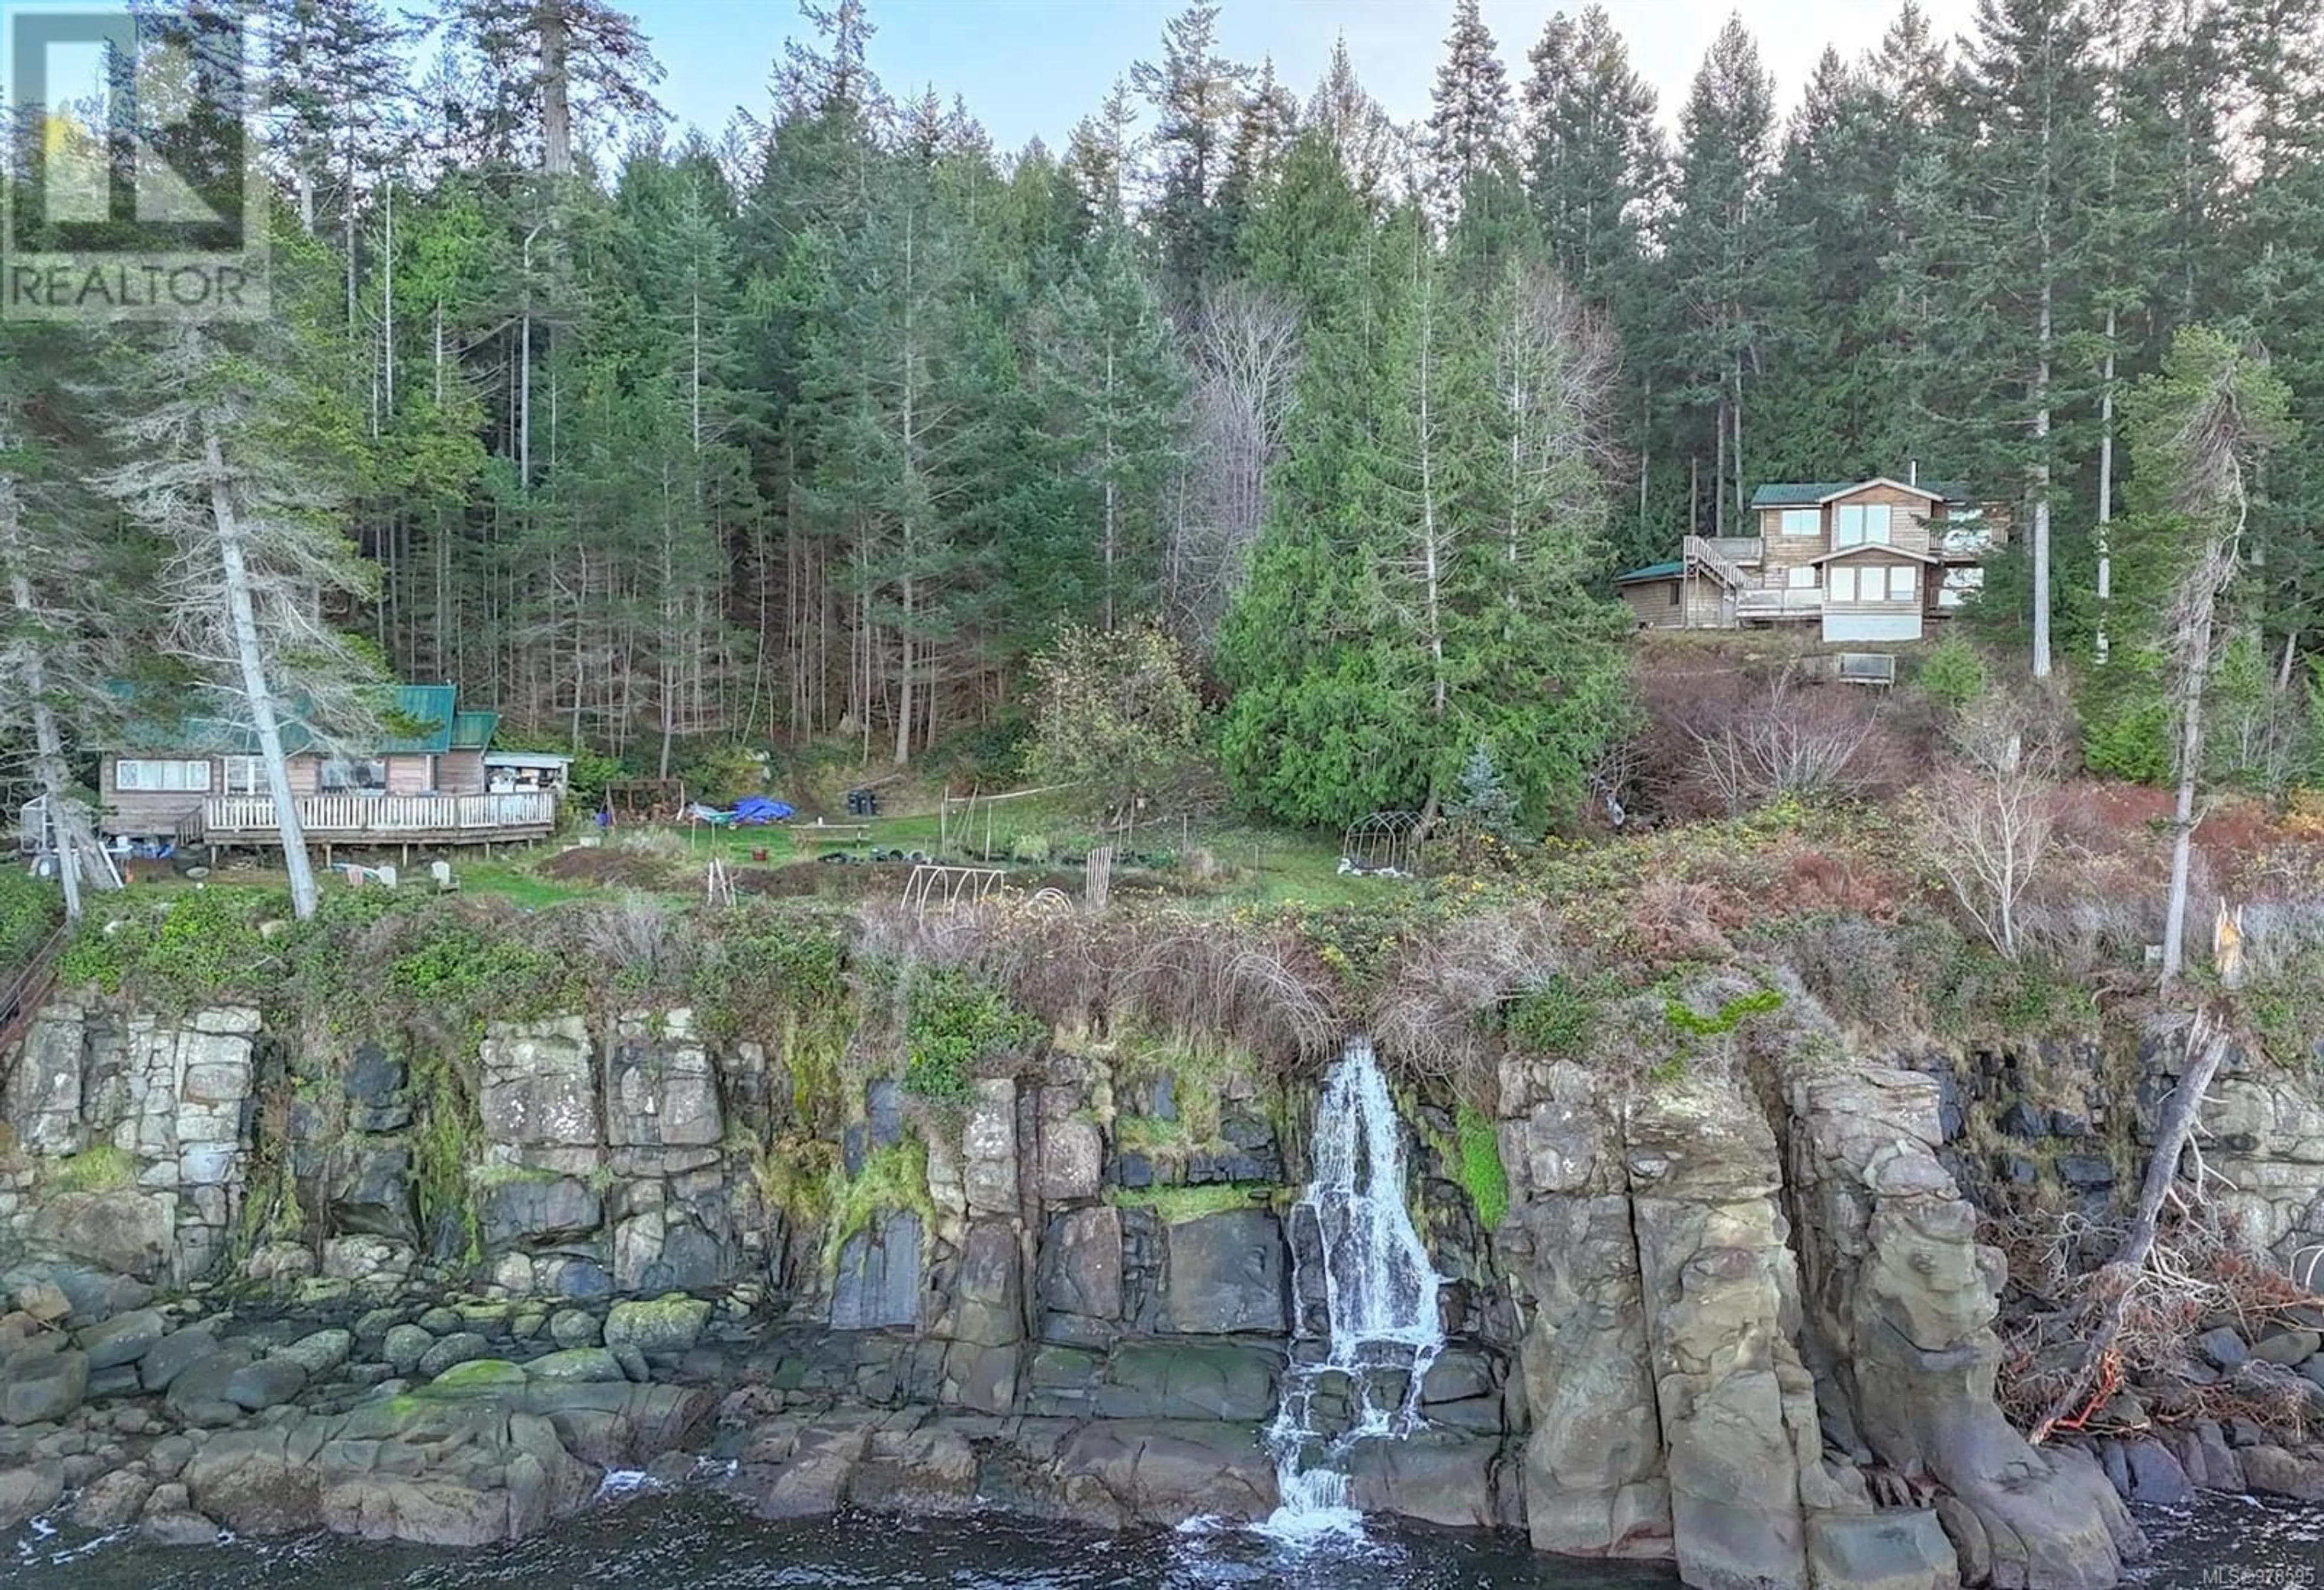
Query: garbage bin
{"type": "Point", "coordinates": [863, 803]}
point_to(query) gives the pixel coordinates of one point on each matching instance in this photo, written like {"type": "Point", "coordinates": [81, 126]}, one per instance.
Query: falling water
{"type": "Point", "coordinates": [1381, 1324]}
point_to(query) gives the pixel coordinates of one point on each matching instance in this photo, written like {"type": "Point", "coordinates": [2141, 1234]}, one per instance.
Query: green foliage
{"type": "Point", "coordinates": [480, 969]}
{"type": "Point", "coordinates": [894, 1181]}
{"type": "Point", "coordinates": [1178, 1205]}
{"type": "Point", "coordinates": [1952, 674]}
{"type": "Point", "coordinates": [2285, 1007]}
{"type": "Point", "coordinates": [194, 947]}
{"type": "Point", "coordinates": [29, 910]}
{"type": "Point", "coordinates": [1482, 1175]}
{"type": "Point", "coordinates": [952, 1023]}
{"type": "Point", "coordinates": [101, 1169]}
{"type": "Point", "coordinates": [719, 775]}
{"type": "Point", "coordinates": [760, 971]}
{"type": "Point", "coordinates": [1556, 1019]}
{"type": "Point", "coordinates": [1731, 1014]}
{"type": "Point", "coordinates": [1115, 714]}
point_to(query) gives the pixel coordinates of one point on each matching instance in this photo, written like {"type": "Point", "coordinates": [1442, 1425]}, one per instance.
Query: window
{"type": "Point", "coordinates": [1904, 584]}
{"type": "Point", "coordinates": [1842, 584]}
{"type": "Point", "coordinates": [148, 774]}
{"type": "Point", "coordinates": [1675, 592]}
{"type": "Point", "coordinates": [1860, 524]}
{"type": "Point", "coordinates": [1802, 522]}
{"type": "Point", "coordinates": [245, 776]}
{"type": "Point", "coordinates": [341, 773]}
{"type": "Point", "coordinates": [1804, 579]}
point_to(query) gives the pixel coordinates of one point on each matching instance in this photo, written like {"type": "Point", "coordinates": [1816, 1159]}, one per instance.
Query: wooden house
{"type": "Point", "coordinates": [1877, 560]}
{"type": "Point", "coordinates": [200, 781]}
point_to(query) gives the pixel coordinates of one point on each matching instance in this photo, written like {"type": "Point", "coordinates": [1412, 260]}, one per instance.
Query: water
{"type": "Point", "coordinates": [1382, 1326]}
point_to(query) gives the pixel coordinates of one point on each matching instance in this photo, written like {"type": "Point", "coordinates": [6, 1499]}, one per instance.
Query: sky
{"type": "Point", "coordinates": [1033, 68]}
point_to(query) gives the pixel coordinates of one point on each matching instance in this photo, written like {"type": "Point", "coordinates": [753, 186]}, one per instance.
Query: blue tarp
{"type": "Point", "coordinates": [760, 809]}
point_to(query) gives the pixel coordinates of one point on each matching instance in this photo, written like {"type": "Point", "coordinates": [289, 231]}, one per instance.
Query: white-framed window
{"type": "Point", "coordinates": [1803, 578]}
{"type": "Point", "coordinates": [1904, 584]}
{"type": "Point", "coordinates": [1841, 584]}
{"type": "Point", "coordinates": [1802, 521]}
{"type": "Point", "coordinates": [1860, 524]}
{"type": "Point", "coordinates": [245, 776]}
{"type": "Point", "coordinates": [1958, 585]}
{"type": "Point", "coordinates": [154, 774]}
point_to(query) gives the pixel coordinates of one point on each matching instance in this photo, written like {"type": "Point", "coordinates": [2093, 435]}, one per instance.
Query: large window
{"type": "Point", "coordinates": [152, 775]}
{"type": "Point", "coordinates": [1802, 522]}
{"type": "Point", "coordinates": [1876, 584]}
{"type": "Point", "coordinates": [1803, 578]}
{"type": "Point", "coordinates": [1860, 524]}
{"type": "Point", "coordinates": [343, 772]}
{"type": "Point", "coordinates": [245, 776]}
{"type": "Point", "coordinates": [1904, 584]}
{"type": "Point", "coordinates": [1841, 584]}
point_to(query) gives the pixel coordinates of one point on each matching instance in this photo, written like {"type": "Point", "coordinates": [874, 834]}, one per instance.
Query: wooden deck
{"type": "Point", "coordinates": [383, 819]}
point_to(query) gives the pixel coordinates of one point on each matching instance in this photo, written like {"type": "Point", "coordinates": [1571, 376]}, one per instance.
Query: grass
{"type": "Point", "coordinates": [1482, 1175]}
{"type": "Point", "coordinates": [1178, 1205]}
{"type": "Point", "coordinates": [102, 1169]}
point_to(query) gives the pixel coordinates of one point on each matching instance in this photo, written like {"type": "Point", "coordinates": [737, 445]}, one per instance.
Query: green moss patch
{"type": "Point", "coordinates": [1482, 1175]}
{"type": "Point", "coordinates": [1178, 1205]}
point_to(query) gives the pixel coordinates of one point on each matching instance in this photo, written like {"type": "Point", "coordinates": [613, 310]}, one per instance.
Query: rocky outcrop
{"type": "Point", "coordinates": [1737, 1318]}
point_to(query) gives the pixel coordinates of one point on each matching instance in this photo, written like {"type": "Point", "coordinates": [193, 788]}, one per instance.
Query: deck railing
{"type": "Point", "coordinates": [1764, 601]}
{"type": "Point", "coordinates": [345, 818]}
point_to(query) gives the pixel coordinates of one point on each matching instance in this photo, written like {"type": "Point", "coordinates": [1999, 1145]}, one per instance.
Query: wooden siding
{"type": "Point", "coordinates": [1700, 607]}
{"type": "Point", "coordinates": [1908, 529]}
{"type": "Point", "coordinates": [411, 774]}
{"type": "Point", "coordinates": [460, 772]}
{"type": "Point", "coordinates": [149, 811]}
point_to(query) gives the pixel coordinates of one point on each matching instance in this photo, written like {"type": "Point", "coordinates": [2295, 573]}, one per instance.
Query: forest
{"type": "Point", "coordinates": [819, 427]}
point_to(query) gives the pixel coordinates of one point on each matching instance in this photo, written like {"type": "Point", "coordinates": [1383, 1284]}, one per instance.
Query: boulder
{"type": "Point", "coordinates": [28, 1492]}
{"type": "Point", "coordinates": [197, 1393]}
{"type": "Point", "coordinates": [575, 1363]}
{"type": "Point", "coordinates": [989, 1148]}
{"type": "Point", "coordinates": [112, 1501]}
{"type": "Point", "coordinates": [44, 1301]}
{"type": "Point", "coordinates": [2274, 1472]}
{"type": "Point", "coordinates": [1435, 1476]}
{"type": "Point", "coordinates": [473, 1378]}
{"type": "Point", "coordinates": [1227, 1273]}
{"type": "Point", "coordinates": [2223, 1348]}
{"type": "Point", "coordinates": [43, 1385]}
{"type": "Point", "coordinates": [461, 1347]}
{"type": "Point", "coordinates": [127, 1232]}
{"type": "Point", "coordinates": [660, 1094]}
{"type": "Point", "coordinates": [267, 1384]}
{"type": "Point", "coordinates": [166, 1358]}
{"type": "Point", "coordinates": [177, 1527]}
{"type": "Point", "coordinates": [574, 1327]}
{"type": "Point", "coordinates": [1161, 1473]}
{"type": "Point", "coordinates": [122, 1339]}
{"type": "Point", "coordinates": [666, 1326]}
{"type": "Point", "coordinates": [1179, 1380]}
{"type": "Point", "coordinates": [319, 1354]}
{"type": "Point", "coordinates": [989, 1307]}
{"type": "Point", "coordinates": [2154, 1475]}
{"type": "Point", "coordinates": [1900, 1549]}
{"type": "Point", "coordinates": [2287, 1347]}
{"type": "Point", "coordinates": [374, 1085]}
{"type": "Point", "coordinates": [404, 1347]}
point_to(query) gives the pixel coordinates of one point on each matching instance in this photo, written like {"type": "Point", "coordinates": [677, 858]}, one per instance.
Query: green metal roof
{"type": "Point", "coordinates": [473, 731]}
{"type": "Point", "coordinates": [1808, 493]}
{"type": "Point", "coordinates": [1653, 570]}
{"type": "Point", "coordinates": [430, 709]}
{"type": "Point", "coordinates": [1796, 493]}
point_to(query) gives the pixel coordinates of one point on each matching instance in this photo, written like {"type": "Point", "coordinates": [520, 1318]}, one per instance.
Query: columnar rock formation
{"type": "Point", "coordinates": [1737, 1316]}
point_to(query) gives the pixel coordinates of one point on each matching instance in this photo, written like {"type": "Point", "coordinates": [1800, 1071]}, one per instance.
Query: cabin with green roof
{"type": "Point", "coordinates": [1877, 560]}
{"type": "Point", "coordinates": [425, 779]}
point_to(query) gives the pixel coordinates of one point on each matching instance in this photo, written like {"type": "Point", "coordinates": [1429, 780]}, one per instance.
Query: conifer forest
{"type": "Point", "coordinates": [822, 425]}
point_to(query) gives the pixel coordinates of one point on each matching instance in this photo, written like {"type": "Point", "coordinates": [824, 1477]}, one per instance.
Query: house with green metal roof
{"type": "Point", "coordinates": [1875, 560]}
{"type": "Point", "coordinates": [427, 772]}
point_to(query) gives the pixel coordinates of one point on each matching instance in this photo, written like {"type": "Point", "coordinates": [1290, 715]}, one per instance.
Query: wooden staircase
{"type": "Point", "coordinates": [23, 996]}
{"type": "Point", "coordinates": [1699, 549]}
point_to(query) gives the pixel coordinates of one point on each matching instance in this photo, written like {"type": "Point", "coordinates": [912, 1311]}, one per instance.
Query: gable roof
{"type": "Point", "coordinates": [1814, 493]}
{"type": "Point", "coordinates": [1653, 570]}
{"type": "Point", "coordinates": [1876, 547]}
{"type": "Point", "coordinates": [432, 711]}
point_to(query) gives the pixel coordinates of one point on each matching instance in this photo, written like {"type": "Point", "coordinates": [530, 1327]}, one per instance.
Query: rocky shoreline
{"type": "Point", "coordinates": [1738, 1316]}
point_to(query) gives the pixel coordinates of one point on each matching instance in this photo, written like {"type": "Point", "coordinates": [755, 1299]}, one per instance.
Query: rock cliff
{"type": "Point", "coordinates": [1737, 1314]}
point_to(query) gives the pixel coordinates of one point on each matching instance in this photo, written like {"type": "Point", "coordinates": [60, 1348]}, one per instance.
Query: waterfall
{"type": "Point", "coordinates": [1381, 1328]}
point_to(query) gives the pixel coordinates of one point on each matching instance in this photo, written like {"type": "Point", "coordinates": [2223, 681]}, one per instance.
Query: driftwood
{"type": "Point", "coordinates": [2110, 1290]}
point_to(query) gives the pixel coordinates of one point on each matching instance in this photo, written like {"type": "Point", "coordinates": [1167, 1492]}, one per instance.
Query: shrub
{"type": "Point", "coordinates": [1115, 714]}
{"type": "Point", "coordinates": [952, 1023]}
{"type": "Point", "coordinates": [29, 910]}
{"type": "Point", "coordinates": [1557, 1019]}
{"type": "Point", "coordinates": [1952, 676]}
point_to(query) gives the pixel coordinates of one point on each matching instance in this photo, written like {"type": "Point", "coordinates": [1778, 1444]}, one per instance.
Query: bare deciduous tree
{"type": "Point", "coordinates": [1985, 823]}
{"type": "Point", "coordinates": [1246, 359]}
{"type": "Point", "coordinates": [1553, 365]}
{"type": "Point", "coordinates": [1803, 741]}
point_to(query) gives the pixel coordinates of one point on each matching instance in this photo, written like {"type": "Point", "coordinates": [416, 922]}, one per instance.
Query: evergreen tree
{"type": "Point", "coordinates": [1197, 95]}
{"type": "Point", "coordinates": [1469, 131]}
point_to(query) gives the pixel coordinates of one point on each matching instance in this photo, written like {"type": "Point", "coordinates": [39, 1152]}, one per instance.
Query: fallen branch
{"type": "Point", "coordinates": [2110, 1290]}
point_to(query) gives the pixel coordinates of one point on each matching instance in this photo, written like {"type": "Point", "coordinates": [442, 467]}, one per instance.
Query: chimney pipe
{"type": "Point", "coordinates": [1913, 473]}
